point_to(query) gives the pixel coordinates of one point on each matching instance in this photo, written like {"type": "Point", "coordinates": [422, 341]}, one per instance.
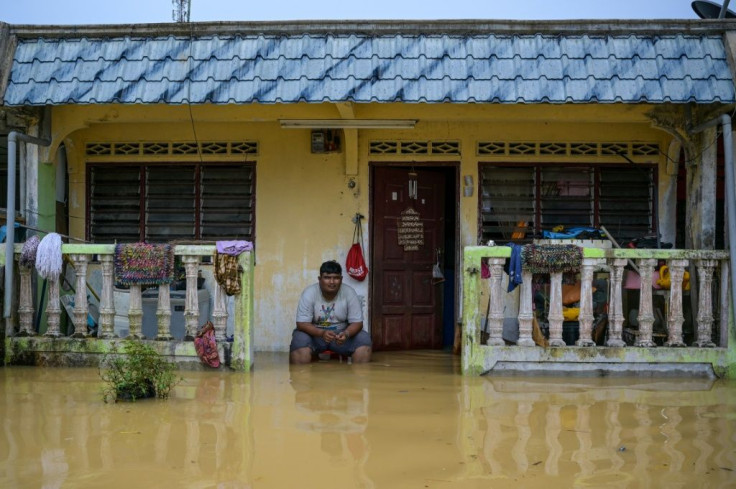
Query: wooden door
{"type": "Point", "coordinates": [406, 301]}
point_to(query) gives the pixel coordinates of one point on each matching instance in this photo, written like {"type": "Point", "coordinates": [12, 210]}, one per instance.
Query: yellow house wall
{"type": "Point", "coordinates": [303, 204]}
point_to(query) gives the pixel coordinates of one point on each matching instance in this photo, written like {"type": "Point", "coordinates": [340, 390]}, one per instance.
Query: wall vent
{"type": "Point", "coordinates": [576, 149]}
{"type": "Point", "coordinates": [150, 148]}
{"type": "Point", "coordinates": [415, 147]}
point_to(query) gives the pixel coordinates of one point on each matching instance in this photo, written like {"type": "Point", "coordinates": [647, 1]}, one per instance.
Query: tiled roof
{"type": "Point", "coordinates": [363, 68]}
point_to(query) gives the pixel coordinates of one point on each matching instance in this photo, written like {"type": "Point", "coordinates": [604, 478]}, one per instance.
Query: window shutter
{"type": "Point", "coordinates": [170, 202]}
{"type": "Point", "coordinates": [114, 212]}
{"type": "Point", "coordinates": [228, 203]}
{"type": "Point", "coordinates": [202, 201]}
{"type": "Point", "coordinates": [617, 197]}
{"type": "Point", "coordinates": [566, 197]}
{"type": "Point", "coordinates": [625, 202]}
{"type": "Point", "coordinates": [507, 200]}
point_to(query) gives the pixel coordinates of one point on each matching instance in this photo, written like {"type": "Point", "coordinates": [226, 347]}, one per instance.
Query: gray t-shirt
{"type": "Point", "coordinates": [336, 314]}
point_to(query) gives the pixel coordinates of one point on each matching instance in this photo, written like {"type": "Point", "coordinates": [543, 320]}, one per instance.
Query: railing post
{"type": "Point", "coordinates": [675, 317]}
{"type": "Point", "coordinates": [705, 303]}
{"type": "Point", "coordinates": [25, 303]}
{"type": "Point", "coordinates": [81, 309]}
{"type": "Point", "coordinates": [646, 312]}
{"type": "Point", "coordinates": [135, 312]}
{"type": "Point", "coordinates": [107, 302]}
{"type": "Point", "coordinates": [191, 307]}
{"type": "Point", "coordinates": [555, 316]}
{"type": "Point", "coordinates": [495, 314]}
{"type": "Point", "coordinates": [616, 304]}
{"type": "Point", "coordinates": [725, 309]}
{"type": "Point", "coordinates": [163, 313]}
{"type": "Point", "coordinates": [525, 310]}
{"type": "Point", "coordinates": [219, 313]}
{"type": "Point", "coordinates": [53, 309]}
{"type": "Point", "coordinates": [586, 303]}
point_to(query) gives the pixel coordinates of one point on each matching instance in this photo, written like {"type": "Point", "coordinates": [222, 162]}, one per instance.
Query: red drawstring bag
{"type": "Point", "coordinates": [355, 263]}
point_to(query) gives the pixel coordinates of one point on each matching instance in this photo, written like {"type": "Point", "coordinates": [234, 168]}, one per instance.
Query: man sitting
{"type": "Point", "coordinates": [329, 317]}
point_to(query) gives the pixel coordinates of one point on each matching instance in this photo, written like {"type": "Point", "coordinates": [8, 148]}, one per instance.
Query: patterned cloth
{"type": "Point", "coordinates": [233, 247]}
{"type": "Point", "coordinates": [206, 347]}
{"type": "Point", "coordinates": [226, 273]}
{"type": "Point", "coordinates": [143, 264]}
{"type": "Point", "coordinates": [28, 253]}
{"type": "Point", "coordinates": [551, 258]}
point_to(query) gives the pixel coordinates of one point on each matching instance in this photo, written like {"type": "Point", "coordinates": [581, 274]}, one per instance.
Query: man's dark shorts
{"type": "Point", "coordinates": [300, 339]}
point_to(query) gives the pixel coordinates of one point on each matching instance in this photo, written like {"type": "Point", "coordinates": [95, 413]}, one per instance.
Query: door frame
{"type": "Point", "coordinates": [449, 166]}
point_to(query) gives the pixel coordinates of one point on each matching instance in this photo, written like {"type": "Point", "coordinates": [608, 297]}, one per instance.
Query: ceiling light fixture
{"type": "Point", "coordinates": [348, 123]}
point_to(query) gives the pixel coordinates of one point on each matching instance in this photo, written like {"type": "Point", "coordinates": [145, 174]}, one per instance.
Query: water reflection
{"type": "Point", "coordinates": [405, 420]}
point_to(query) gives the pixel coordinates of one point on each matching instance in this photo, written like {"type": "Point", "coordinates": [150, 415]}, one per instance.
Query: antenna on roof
{"type": "Point", "coordinates": [180, 13]}
{"type": "Point", "coordinates": [711, 10]}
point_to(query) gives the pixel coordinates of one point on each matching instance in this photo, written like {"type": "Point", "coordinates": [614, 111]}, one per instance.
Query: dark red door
{"type": "Point", "coordinates": [407, 302]}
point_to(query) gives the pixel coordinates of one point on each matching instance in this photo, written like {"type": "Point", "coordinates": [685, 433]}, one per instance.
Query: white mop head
{"type": "Point", "coordinates": [48, 256]}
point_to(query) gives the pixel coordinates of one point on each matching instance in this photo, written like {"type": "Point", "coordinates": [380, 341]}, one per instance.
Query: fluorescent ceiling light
{"type": "Point", "coordinates": [348, 123]}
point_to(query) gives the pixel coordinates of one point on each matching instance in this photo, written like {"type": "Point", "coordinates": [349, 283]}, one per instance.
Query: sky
{"type": "Point", "coordinates": [56, 12]}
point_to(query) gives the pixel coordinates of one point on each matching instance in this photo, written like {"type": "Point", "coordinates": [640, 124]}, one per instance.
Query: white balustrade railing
{"type": "Point", "coordinates": [706, 264]}
{"type": "Point", "coordinates": [191, 258]}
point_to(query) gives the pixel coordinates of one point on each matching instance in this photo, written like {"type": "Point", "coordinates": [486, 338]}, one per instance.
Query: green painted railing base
{"type": "Point", "coordinates": [88, 352]}
{"type": "Point", "coordinates": [478, 359]}
{"type": "Point", "coordinates": [603, 361]}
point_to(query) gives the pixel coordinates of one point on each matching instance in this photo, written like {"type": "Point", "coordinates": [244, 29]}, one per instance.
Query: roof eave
{"type": "Point", "coordinates": [382, 27]}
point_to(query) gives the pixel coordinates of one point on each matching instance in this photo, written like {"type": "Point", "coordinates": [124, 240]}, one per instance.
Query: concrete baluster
{"type": "Point", "coordinates": [616, 316]}
{"type": "Point", "coordinates": [81, 308]}
{"type": "Point", "coordinates": [586, 303]}
{"type": "Point", "coordinates": [25, 303]}
{"type": "Point", "coordinates": [495, 314]}
{"type": "Point", "coordinates": [646, 311]}
{"type": "Point", "coordinates": [135, 312]}
{"type": "Point", "coordinates": [219, 313]}
{"type": "Point", "coordinates": [163, 313]}
{"type": "Point", "coordinates": [705, 303]}
{"type": "Point", "coordinates": [525, 311]}
{"type": "Point", "coordinates": [191, 306]}
{"type": "Point", "coordinates": [554, 316]}
{"type": "Point", "coordinates": [675, 316]}
{"type": "Point", "coordinates": [107, 302]}
{"type": "Point", "coordinates": [725, 309]}
{"type": "Point", "coordinates": [53, 309]}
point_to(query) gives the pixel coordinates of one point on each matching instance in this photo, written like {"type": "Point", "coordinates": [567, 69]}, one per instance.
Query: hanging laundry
{"type": "Point", "coordinates": [28, 252]}
{"type": "Point", "coordinates": [48, 256]}
{"type": "Point", "coordinates": [143, 264]}
{"type": "Point", "coordinates": [227, 273]}
{"type": "Point", "coordinates": [206, 346]}
{"type": "Point", "coordinates": [514, 267]}
{"type": "Point", "coordinates": [551, 258]}
{"type": "Point", "coordinates": [233, 248]}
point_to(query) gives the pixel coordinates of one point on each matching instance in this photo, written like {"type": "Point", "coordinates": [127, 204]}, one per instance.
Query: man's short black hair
{"type": "Point", "coordinates": [330, 266]}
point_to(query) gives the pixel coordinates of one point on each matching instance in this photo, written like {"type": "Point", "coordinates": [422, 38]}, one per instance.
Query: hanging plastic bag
{"type": "Point", "coordinates": [355, 263]}
{"type": "Point", "coordinates": [437, 274]}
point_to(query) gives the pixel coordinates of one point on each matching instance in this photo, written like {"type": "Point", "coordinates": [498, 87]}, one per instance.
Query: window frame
{"type": "Point", "coordinates": [595, 197]}
{"type": "Point", "coordinates": [199, 192]}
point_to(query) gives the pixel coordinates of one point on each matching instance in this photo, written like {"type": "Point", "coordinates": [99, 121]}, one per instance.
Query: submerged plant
{"type": "Point", "coordinates": [136, 372]}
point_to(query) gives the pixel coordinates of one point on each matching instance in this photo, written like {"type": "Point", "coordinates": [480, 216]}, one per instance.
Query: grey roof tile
{"type": "Point", "coordinates": [395, 68]}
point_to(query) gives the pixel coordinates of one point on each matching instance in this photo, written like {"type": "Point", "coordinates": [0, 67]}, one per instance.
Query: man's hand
{"type": "Point", "coordinates": [341, 338]}
{"type": "Point", "coordinates": [329, 336]}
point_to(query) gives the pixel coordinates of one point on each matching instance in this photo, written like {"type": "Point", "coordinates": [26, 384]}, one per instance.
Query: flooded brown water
{"type": "Point", "coordinates": [407, 420]}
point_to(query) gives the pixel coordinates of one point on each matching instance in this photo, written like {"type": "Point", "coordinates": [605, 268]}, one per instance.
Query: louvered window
{"type": "Point", "coordinates": [164, 202]}
{"type": "Point", "coordinates": [518, 202]}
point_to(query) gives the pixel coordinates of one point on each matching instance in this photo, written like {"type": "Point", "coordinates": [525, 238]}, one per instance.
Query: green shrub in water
{"type": "Point", "coordinates": [136, 372]}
